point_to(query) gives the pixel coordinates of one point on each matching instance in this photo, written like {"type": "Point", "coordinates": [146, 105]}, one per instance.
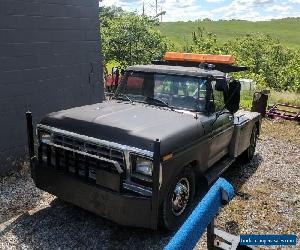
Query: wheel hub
{"type": "Point", "coordinates": [181, 196]}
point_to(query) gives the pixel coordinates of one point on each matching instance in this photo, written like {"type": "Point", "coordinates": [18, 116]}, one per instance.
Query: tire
{"type": "Point", "coordinates": [249, 153]}
{"type": "Point", "coordinates": [178, 201]}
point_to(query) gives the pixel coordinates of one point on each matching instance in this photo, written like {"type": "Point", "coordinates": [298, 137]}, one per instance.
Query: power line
{"type": "Point", "coordinates": [153, 9]}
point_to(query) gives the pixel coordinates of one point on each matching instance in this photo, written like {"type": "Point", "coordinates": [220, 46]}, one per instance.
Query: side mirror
{"type": "Point", "coordinates": [210, 107]}
{"type": "Point", "coordinates": [234, 96]}
{"type": "Point", "coordinates": [221, 85]}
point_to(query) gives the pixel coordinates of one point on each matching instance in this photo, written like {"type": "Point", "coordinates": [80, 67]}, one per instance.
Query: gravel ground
{"type": "Point", "coordinates": [267, 201]}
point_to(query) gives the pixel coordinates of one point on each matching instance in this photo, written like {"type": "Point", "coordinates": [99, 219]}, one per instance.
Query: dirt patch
{"type": "Point", "coordinates": [267, 194]}
{"type": "Point", "coordinates": [281, 129]}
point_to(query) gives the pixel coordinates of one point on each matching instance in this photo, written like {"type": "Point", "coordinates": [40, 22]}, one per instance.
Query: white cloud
{"type": "Point", "coordinates": [254, 10]}
{"type": "Point", "coordinates": [184, 10]}
{"type": "Point", "coordinates": [279, 8]}
{"type": "Point", "coordinates": [214, 1]}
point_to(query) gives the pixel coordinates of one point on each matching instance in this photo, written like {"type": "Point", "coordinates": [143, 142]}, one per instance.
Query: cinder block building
{"type": "Point", "coordinates": [49, 60]}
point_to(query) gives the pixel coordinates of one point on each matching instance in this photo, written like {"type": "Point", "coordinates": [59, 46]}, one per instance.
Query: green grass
{"type": "Point", "coordinates": [286, 30]}
{"type": "Point", "coordinates": [246, 100]}
{"type": "Point", "coordinates": [274, 97]}
{"type": "Point", "coordinates": [284, 97]}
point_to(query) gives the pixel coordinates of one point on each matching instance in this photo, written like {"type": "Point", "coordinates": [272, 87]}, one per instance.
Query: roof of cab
{"type": "Point", "coordinates": [176, 70]}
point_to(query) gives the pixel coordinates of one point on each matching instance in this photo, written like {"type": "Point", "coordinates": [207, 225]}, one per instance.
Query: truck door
{"type": "Point", "coordinates": [221, 126]}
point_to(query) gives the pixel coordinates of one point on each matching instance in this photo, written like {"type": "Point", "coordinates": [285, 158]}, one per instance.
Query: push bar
{"type": "Point", "coordinates": [30, 141]}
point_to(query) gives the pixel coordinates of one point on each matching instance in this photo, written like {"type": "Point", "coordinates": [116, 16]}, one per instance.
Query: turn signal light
{"type": "Point", "coordinates": [201, 58]}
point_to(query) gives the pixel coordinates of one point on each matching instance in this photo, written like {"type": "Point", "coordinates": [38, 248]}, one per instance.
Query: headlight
{"type": "Point", "coordinates": [142, 166]}
{"type": "Point", "coordinates": [45, 137]}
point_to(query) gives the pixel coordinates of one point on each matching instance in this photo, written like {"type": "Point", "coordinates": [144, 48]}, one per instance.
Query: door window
{"type": "Point", "coordinates": [218, 97]}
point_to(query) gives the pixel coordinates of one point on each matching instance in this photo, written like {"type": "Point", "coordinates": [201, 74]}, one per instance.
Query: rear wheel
{"type": "Point", "coordinates": [248, 155]}
{"type": "Point", "coordinates": [179, 200]}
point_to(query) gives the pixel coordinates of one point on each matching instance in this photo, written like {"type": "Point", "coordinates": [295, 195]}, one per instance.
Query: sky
{"type": "Point", "coordinates": [185, 10]}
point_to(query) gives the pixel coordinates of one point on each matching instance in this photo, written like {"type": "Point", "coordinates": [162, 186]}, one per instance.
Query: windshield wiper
{"type": "Point", "coordinates": [122, 97]}
{"type": "Point", "coordinates": [157, 101]}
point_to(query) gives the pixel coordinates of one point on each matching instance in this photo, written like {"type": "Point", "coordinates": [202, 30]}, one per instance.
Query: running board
{"type": "Point", "coordinates": [218, 169]}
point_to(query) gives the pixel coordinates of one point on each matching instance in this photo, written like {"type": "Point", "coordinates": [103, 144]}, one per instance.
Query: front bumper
{"type": "Point", "coordinates": [123, 209]}
{"type": "Point", "coordinates": [114, 204]}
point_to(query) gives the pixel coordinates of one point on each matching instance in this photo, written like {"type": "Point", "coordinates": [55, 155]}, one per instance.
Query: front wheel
{"type": "Point", "coordinates": [178, 200]}
{"type": "Point", "coordinates": [248, 155]}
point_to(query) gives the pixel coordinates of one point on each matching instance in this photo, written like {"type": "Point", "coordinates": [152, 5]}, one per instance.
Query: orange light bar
{"type": "Point", "coordinates": [190, 57]}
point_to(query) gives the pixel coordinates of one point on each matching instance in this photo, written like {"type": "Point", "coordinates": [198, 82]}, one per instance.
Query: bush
{"type": "Point", "coordinates": [271, 64]}
{"type": "Point", "coordinates": [129, 38]}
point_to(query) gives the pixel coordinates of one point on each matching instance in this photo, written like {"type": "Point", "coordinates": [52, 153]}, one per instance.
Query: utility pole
{"type": "Point", "coordinates": [148, 8]}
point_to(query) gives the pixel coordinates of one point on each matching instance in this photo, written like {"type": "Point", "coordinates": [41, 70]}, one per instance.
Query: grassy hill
{"type": "Point", "coordinates": [286, 30]}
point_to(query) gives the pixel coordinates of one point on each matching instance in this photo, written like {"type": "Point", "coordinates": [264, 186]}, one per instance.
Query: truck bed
{"type": "Point", "coordinates": [243, 122]}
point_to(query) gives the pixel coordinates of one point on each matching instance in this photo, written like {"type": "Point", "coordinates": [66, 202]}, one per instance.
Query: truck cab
{"type": "Point", "coordinates": [172, 127]}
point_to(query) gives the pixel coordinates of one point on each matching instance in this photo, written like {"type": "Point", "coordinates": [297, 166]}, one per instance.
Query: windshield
{"type": "Point", "coordinates": [179, 92]}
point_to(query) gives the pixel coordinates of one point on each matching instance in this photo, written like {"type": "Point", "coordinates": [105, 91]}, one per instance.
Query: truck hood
{"type": "Point", "coordinates": [133, 124]}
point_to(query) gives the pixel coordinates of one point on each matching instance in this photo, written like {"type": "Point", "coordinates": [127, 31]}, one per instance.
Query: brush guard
{"type": "Point", "coordinates": [117, 200]}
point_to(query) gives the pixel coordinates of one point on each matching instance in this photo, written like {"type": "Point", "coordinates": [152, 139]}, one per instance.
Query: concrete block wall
{"type": "Point", "coordinates": [49, 60]}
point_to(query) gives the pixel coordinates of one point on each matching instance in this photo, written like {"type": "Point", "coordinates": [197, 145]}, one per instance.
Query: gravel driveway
{"type": "Point", "coordinates": [267, 201]}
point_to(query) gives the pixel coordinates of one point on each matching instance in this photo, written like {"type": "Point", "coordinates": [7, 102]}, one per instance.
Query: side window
{"type": "Point", "coordinates": [162, 87]}
{"type": "Point", "coordinates": [162, 84]}
{"type": "Point", "coordinates": [191, 87]}
{"type": "Point", "coordinates": [218, 97]}
{"type": "Point", "coordinates": [134, 84]}
{"type": "Point", "coordinates": [182, 90]}
{"type": "Point", "coordinates": [166, 87]}
{"type": "Point", "coordinates": [201, 90]}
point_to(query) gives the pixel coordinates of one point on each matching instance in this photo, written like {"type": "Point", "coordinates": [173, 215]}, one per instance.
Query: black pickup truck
{"type": "Point", "coordinates": [171, 128]}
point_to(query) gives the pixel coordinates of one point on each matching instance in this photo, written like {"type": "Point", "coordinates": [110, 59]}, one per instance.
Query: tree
{"type": "Point", "coordinates": [109, 13]}
{"type": "Point", "coordinates": [267, 58]}
{"type": "Point", "coordinates": [132, 39]}
{"type": "Point", "coordinates": [271, 64]}
{"type": "Point", "coordinates": [204, 42]}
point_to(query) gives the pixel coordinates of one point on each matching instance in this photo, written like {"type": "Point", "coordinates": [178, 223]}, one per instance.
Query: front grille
{"type": "Point", "coordinates": [80, 158]}
{"type": "Point", "coordinates": [90, 148]}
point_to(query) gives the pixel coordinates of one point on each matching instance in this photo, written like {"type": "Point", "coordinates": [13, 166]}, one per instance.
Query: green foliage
{"type": "Point", "coordinates": [291, 98]}
{"type": "Point", "coordinates": [246, 100]}
{"type": "Point", "coordinates": [286, 30]}
{"type": "Point", "coordinates": [130, 39]}
{"type": "Point", "coordinates": [204, 41]}
{"type": "Point", "coordinates": [271, 64]}
{"type": "Point", "coordinates": [109, 13]}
